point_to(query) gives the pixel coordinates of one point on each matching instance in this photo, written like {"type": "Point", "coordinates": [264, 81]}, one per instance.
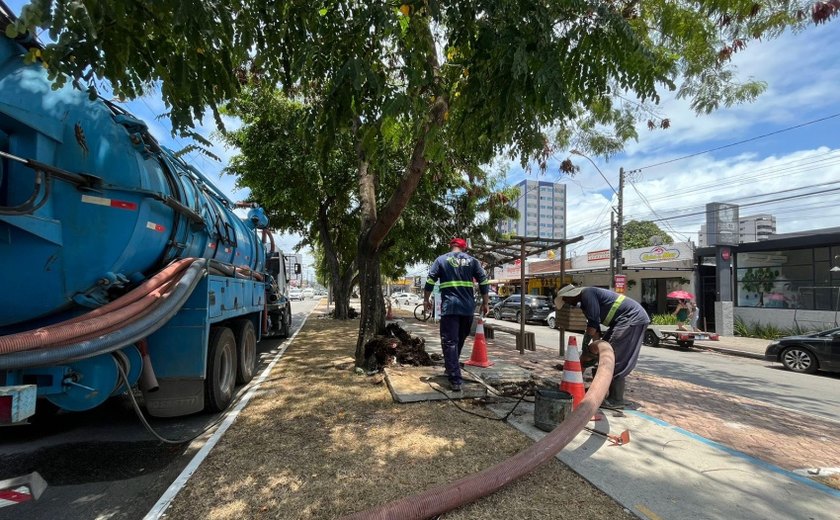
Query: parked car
{"type": "Point", "coordinates": [296, 295]}
{"type": "Point", "coordinates": [552, 319]}
{"type": "Point", "coordinates": [537, 308]}
{"type": "Point", "coordinates": [808, 352]}
{"type": "Point", "coordinates": [406, 298]}
{"type": "Point", "coordinates": [308, 293]}
{"type": "Point", "coordinates": [494, 300]}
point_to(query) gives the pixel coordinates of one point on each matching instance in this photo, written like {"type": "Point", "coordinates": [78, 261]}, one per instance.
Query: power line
{"type": "Point", "coordinates": [748, 197]}
{"type": "Point", "coordinates": [788, 168]}
{"type": "Point", "coordinates": [730, 145]}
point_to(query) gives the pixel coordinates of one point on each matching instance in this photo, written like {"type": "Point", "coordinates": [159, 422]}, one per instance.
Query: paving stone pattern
{"type": "Point", "coordinates": [788, 439]}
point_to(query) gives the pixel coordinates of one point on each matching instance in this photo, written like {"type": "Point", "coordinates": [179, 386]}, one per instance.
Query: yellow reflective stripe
{"type": "Point", "coordinates": [616, 304]}
{"type": "Point", "coordinates": [455, 283]}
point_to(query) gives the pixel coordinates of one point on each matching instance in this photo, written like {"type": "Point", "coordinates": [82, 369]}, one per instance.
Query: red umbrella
{"type": "Point", "coordinates": [681, 295]}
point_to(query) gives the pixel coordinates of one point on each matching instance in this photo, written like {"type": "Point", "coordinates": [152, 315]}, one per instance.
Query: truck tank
{"type": "Point", "coordinates": [122, 264]}
{"type": "Point", "coordinates": [91, 203]}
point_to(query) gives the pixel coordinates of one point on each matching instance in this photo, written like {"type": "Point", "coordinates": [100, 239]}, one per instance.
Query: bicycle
{"type": "Point", "coordinates": [421, 314]}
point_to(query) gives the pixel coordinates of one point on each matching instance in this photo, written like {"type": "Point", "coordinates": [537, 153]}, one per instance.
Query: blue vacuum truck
{"type": "Point", "coordinates": [122, 265]}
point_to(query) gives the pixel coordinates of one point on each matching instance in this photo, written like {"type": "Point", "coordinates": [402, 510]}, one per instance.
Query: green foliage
{"type": "Point", "coordinates": [663, 319]}
{"type": "Point", "coordinates": [637, 234]}
{"type": "Point", "coordinates": [759, 279]}
{"type": "Point", "coordinates": [770, 331]}
{"type": "Point", "coordinates": [510, 68]}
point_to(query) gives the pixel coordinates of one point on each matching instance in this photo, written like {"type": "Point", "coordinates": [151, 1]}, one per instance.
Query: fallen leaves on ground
{"type": "Point", "coordinates": [317, 442]}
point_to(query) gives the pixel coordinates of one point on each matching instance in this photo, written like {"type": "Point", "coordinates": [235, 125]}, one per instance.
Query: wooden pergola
{"type": "Point", "coordinates": [499, 252]}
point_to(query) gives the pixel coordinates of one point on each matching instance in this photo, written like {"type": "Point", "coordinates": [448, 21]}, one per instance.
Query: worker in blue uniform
{"type": "Point", "coordinates": [456, 272]}
{"type": "Point", "coordinates": [627, 322]}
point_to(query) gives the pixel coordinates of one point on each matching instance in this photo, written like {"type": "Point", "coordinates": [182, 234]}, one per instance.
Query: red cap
{"type": "Point", "coordinates": [458, 242]}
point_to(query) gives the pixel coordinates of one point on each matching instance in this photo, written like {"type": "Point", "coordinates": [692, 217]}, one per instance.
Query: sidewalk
{"type": "Point", "coordinates": [756, 441]}
{"type": "Point", "coordinates": [737, 346]}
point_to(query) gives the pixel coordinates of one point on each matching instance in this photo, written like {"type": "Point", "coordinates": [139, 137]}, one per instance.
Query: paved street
{"type": "Point", "coordinates": [755, 379]}
{"type": "Point", "coordinates": [103, 463]}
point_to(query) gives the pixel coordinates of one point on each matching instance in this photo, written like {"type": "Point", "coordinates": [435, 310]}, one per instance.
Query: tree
{"type": "Point", "coordinates": [301, 191]}
{"type": "Point", "coordinates": [638, 234]}
{"type": "Point", "coordinates": [468, 79]}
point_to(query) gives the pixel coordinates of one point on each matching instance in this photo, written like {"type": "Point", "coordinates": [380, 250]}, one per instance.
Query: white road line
{"type": "Point", "coordinates": [158, 510]}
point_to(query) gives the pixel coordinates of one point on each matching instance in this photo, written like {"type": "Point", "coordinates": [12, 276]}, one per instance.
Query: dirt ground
{"type": "Point", "coordinates": [831, 480]}
{"type": "Point", "coordinates": [320, 442]}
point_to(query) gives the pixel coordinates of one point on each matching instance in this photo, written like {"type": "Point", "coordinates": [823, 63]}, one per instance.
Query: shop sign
{"type": "Point", "coordinates": [620, 283]}
{"type": "Point", "coordinates": [598, 256]}
{"type": "Point", "coordinates": [659, 254]}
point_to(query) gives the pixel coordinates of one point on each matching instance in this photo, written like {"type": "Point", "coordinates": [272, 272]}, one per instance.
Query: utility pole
{"type": "Point", "coordinates": [619, 229]}
{"type": "Point", "coordinates": [612, 249]}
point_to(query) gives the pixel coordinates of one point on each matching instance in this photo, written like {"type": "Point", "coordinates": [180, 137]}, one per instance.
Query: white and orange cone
{"type": "Point", "coordinates": [572, 381]}
{"type": "Point", "coordinates": [479, 351]}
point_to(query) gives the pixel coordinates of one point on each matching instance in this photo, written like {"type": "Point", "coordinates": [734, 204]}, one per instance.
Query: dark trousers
{"type": "Point", "coordinates": [453, 332]}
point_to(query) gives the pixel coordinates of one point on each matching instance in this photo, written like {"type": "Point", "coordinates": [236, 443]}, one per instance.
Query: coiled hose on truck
{"type": "Point", "coordinates": [100, 320]}
{"type": "Point", "coordinates": [440, 499]}
{"type": "Point", "coordinates": [116, 336]}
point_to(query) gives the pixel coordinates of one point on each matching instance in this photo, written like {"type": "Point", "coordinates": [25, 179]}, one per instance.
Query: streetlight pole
{"type": "Point", "coordinates": [619, 229]}
{"type": "Point", "coordinates": [612, 249]}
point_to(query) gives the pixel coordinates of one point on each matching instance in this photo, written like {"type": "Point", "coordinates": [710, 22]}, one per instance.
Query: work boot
{"type": "Point", "coordinates": [455, 387]}
{"type": "Point", "coordinates": [615, 399]}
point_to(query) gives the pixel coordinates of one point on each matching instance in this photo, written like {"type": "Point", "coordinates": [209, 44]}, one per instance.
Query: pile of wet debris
{"type": "Point", "coordinates": [397, 347]}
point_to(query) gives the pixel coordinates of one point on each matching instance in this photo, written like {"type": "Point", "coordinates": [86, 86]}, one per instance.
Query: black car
{"type": "Point", "coordinates": [537, 308]}
{"type": "Point", "coordinates": [808, 352]}
{"type": "Point", "coordinates": [494, 299]}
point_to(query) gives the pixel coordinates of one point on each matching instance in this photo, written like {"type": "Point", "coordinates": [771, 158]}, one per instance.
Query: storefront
{"type": "Point", "coordinates": [790, 281]}
{"type": "Point", "coordinates": [652, 272]}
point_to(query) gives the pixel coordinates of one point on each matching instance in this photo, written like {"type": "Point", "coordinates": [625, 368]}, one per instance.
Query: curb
{"type": "Point", "coordinates": [731, 352]}
{"type": "Point", "coordinates": [158, 510]}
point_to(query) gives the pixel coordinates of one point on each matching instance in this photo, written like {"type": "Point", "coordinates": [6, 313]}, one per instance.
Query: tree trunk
{"type": "Point", "coordinates": [341, 293]}
{"type": "Point", "coordinates": [340, 281]}
{"type": "Point", "coordinates": [372, 320]}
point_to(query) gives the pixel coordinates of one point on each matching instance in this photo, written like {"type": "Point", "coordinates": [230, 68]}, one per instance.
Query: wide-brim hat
{"type": "Point", "coordinates": [569, 291]}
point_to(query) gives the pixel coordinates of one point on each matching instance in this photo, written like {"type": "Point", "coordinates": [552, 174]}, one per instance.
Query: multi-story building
{"type": "Point", "coordinates": [542, 210]}
{"type": "Point", "coordinates": [754, 228]}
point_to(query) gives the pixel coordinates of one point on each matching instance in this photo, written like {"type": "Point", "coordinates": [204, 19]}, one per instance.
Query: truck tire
{"type": "Point", "coordinates": [246, 352]}
{"type": "Point", "coordinates": [286, 323]}
{"type": "Point", "coordinates": [221, 369]}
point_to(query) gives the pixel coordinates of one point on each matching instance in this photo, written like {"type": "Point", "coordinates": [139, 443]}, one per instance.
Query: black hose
{"type": "Point", "coordinates": [131, 333]}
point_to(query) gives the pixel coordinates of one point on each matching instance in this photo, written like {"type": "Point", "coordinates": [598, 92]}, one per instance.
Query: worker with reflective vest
{"type": "Point", "coordinates": [456, 271]}
{"type": "Point", "coordinates": [627, 322]}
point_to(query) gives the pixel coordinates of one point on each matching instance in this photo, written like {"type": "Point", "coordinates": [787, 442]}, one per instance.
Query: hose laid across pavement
{"type": "Point", "coordinates": [440, 499]}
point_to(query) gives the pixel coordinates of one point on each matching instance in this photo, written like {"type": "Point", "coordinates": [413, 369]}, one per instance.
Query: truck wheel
{"type": "Point", "coordinates": [286, 323]}
{"type": "Point", "coordinates": [651, 338]}
{"type": "Point", "coordinates": [246, 354]}
{"type": "Point", "coordinates": [221, 369]}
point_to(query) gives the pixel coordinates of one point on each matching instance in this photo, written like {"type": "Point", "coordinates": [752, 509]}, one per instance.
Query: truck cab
{"type": "Point", "coordinates": [279, 310]}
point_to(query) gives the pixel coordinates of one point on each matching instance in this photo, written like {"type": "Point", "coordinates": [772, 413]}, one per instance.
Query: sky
{"type": "Point", "coordinates": [802, 72]}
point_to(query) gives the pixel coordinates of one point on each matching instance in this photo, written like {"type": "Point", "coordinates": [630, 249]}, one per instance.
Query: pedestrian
{"type": "Point", "coordinates": [693, 315]}
{"type": "Point", "coordinates": [456, 271]}
{"type": "Point", "coordinates": [681, 312]}
{"type": "Point", "coordinates": [626, 323]}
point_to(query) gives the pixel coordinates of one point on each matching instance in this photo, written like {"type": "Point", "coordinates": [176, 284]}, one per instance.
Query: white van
{"type": "Point", "coordinates": [308, 293]}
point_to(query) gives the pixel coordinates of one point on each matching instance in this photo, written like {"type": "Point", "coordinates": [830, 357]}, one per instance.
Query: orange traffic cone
{"type": "Point", "coordinates": [572, 381]}
{"type": "Point", "coordinates": [479, 351]}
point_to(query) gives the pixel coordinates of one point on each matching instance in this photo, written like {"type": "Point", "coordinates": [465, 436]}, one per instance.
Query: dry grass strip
{"type": "Point", "coordinates": [321, 442]}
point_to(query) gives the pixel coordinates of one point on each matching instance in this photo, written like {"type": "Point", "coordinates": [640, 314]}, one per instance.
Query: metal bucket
{"type": "Point", "coordinates": [551, 406]}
